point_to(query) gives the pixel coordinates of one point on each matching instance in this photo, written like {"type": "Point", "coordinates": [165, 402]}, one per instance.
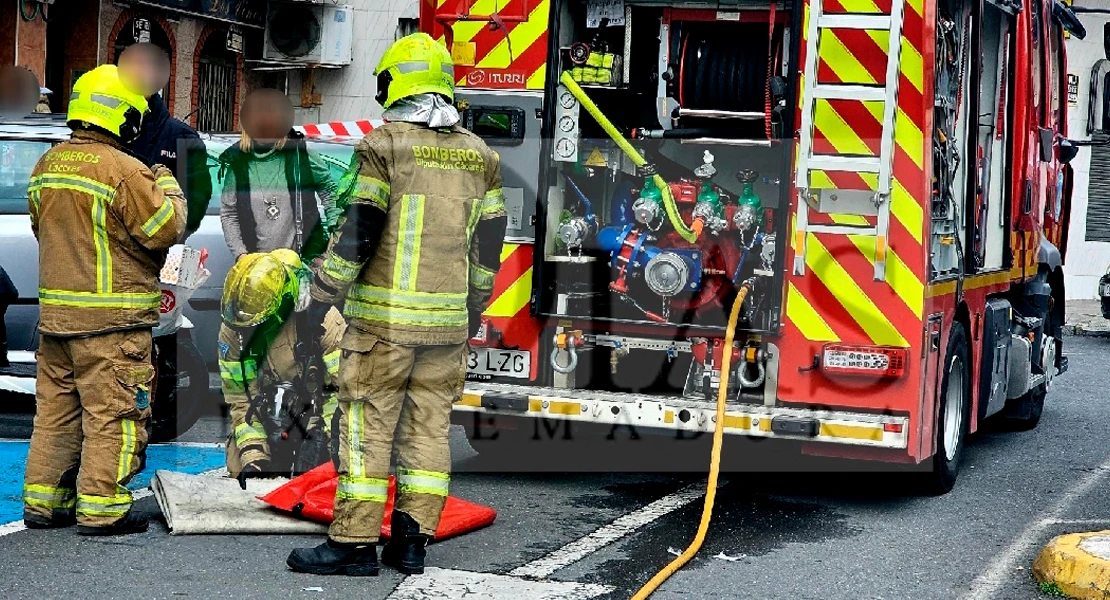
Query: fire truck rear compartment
{"type": "Point", "coordinates": [664, 171]}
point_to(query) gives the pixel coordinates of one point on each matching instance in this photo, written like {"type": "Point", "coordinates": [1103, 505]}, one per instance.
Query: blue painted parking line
{"type": "Point", "coordinates": [183, 458]}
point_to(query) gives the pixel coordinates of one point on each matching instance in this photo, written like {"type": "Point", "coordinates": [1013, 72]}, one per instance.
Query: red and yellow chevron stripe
{"type": "Point", "coordinates": [512, 288]}
{"type": "Point", "coordinates": [838, 300]}
{"type": "Point", "coordinates": [497, 44]}
{"type": "Point", "coordinates": [509, 306]}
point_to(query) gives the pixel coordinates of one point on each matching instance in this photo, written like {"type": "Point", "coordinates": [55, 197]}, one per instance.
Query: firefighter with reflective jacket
{"type": "Point", "coordinates": [413, 262]}
{"type": "Point", "coordinates": [258, 351]}
{"type": "Point", "coordinates": [104, 221]}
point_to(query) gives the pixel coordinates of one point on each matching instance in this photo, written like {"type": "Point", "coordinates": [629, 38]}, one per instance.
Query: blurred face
{"type": "Point", "coordinates": [267, 116]}
{"type": "Point", "coordinates": [19, 92]}
{"type": "Point", "coordinates": [144, 69]}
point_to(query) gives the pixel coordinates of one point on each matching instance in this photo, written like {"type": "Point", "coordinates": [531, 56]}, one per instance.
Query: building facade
{"type": "Point", "coordinates": [1088, 253]}
{"type": "Point", "coordinates": [215, 49]}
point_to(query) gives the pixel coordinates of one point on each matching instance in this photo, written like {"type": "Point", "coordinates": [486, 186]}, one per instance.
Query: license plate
{"type": "Point", "coordinates": [500, 363]}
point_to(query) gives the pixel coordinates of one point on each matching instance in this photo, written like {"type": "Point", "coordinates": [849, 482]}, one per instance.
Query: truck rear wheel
{"type": "Point", "coordinates": [1024, 413]}
{"type": "Point", "coordinates": [953, 418]}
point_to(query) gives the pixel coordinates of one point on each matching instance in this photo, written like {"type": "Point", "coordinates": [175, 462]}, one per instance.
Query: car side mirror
{"type": "Point", "coordinates": [1068, 151]}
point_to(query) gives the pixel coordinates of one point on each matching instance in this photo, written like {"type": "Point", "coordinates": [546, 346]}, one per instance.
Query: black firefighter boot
{"type": "Point", "coordinates": [335, 558]}
{"type": "Point", "coordinates": [405, 549]}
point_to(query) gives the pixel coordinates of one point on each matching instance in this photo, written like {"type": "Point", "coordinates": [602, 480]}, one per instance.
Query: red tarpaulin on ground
{"type": "Point", "coordinates": [312, 495]}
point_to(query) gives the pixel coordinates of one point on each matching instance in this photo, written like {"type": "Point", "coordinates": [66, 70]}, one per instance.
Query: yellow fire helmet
{"type": "Point", "coordinates": [101, 99]}
{"type": "Point", "coordinates": [255, 290]}
{"type": "Point", "coordinates": [415, 64]}
{"type": "Point", "coordinates": [292, 260]}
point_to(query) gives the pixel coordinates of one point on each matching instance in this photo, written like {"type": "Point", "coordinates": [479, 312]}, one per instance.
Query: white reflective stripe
{"type": "Point", "coordinates": [407, 68]}
{"type": "Point", "coordinates": [341, 269]}
{"type": "Point", "coordinates": [331, 362]}
{"type": "Point", "coordinates": [104, 506]}
{"type": "Point", "coordinates": [403, 316]}
{"type": "Point", "coordinates": [481, 277]}
{"type": "Point", "coordinates": [416, 300]}
{"type": "Point", "coordinates": [494, 201]}
{"type": "Point", "coordinates": [415, 484]}
{"type": "Point", "coordinates": [109, 101]}
{"type": "Point", "coordinates": [103, 255]}
{"type": "Point", "coordinates": [408, 251]}
{"type": "Point", "coordinates": [365, 489]}
{"type": "Point", "coordinates": [159, 219]}
{"type": "Point", "coordinates": [354, 439]}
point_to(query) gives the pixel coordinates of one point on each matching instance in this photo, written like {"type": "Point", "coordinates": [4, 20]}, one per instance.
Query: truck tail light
{"type": "Point", "coordinates": [892, 427]}
{"type": "Point", "coordinates": [864, 360]}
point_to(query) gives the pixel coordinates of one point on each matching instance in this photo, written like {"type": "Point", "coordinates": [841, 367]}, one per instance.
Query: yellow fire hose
{"type": "Point", "coordinates": [714, 457]}
{"type": "Point", "coordinates": [688, 233]}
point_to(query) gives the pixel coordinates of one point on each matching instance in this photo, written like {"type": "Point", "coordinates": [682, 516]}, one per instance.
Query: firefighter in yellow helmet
{"type": "Point", "coordinates": [104, 221]}
{"type": "Point", "coordinates": [259, 349]}
{"type": "Point", "coordinates": [413, 262]}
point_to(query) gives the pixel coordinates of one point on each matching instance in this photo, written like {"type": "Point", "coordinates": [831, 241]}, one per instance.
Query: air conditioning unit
{"type": "Point", "coordinates": [303, 32]}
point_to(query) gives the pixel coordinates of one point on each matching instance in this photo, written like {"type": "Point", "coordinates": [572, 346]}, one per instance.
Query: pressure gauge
{"type": "Point", "coordinates": [567, 124]}
{"type": "Point", "coordinates": [565, 148]}
{"type": "Point", "coordinates": [567, 99]}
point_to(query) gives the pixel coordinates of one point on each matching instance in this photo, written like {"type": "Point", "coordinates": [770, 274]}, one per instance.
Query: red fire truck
{"type": "Point", "coordinates": [883, 184]}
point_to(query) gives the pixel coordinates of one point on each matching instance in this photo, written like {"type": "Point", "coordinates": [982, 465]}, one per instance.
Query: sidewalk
{"type": "Point", "coordinates": [1084, 317]}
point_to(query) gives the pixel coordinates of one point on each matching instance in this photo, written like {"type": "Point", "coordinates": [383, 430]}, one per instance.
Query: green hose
{"type": "Point", "coordinates": [681, 227]}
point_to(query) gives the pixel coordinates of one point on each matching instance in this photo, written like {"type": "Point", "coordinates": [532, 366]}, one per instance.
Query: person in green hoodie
{"type": "Point", "coordinates": [274, 187]}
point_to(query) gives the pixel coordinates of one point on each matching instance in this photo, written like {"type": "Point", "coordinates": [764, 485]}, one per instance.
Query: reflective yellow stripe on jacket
{"type": "Point", "coordinates": [98, 300]}
{"type": "Point", "coordinates": [407, 263]}
{"type": "Point", "coordinates": [406, 307]}
{"type": "Point", "coordinates": [102, 195]}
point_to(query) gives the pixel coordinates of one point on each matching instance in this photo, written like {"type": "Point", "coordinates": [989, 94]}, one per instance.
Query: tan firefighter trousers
{"type": "Point", "coordinates": [386, 388]}
{"type": "Point", "coordinates": [89, 438]}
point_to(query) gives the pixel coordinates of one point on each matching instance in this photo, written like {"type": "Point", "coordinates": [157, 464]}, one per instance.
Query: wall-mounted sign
{"type": "Point", "coordinates": [141, 31]}
{"type": "Point", "coordinates": [246, 12]}
{"type": "Point", "coordinates": [235, 40]}
{"type": "Point", "coordinates": [1073, 89]}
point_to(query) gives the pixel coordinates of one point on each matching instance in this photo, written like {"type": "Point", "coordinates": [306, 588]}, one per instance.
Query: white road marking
{"type": "Point", "coordinates": [588, 544]}
{"type": "Point", "coordinates": [529, 581]}
{"type": "Point", "coordinates": [1105, 521]}
{"type": "Point", "coordinates": [136, 495]}
{"type": "Point", "coordinates": [448, 584]}
{"type": "Point", "coordinates": [1004, 565]}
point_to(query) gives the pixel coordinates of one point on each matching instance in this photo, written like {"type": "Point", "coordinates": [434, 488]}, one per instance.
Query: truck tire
{"type": "Point", "coordinates": [953, 417]}
{"type": "Point", "coordinates": [182, 387]}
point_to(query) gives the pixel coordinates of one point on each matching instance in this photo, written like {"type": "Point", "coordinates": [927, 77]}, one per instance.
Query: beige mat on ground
{"type": "Point", "coordinates": [209, 504]}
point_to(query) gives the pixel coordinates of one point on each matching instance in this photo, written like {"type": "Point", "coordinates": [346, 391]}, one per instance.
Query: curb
{"type": "Point", "coordinates": [1084, 329]}
{"type": "Point", "coordinates": [1078, 564]}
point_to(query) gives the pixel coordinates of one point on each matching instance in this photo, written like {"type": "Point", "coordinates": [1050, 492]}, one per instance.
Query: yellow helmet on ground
{"type": "Point", "coordinates": [256, 289]}
{"type": "Point", "coordinates": [101, 99]}
{"type": "Point", "coordinates": [415, 64]}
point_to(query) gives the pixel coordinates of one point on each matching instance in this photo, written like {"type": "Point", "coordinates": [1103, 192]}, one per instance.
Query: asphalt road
{"type": "Point", "coordinates": [816, 531]}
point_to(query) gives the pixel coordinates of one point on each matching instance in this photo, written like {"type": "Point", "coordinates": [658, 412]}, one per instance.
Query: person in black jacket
{"type": "Point", "coordinates": [163, 139]}
{"type": "Point", "coordinates": [8, 295]}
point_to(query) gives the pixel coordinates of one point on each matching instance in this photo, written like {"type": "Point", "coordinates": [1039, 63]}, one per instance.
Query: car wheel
{"type": "Point", "coordinates": [182, 387]}
{"type": "Point", "coordinates": [953, 418]}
